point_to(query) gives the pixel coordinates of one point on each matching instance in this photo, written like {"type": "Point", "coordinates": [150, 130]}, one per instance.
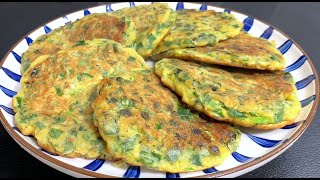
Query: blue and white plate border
{"type": "Point", "coordinates": [96, 167]}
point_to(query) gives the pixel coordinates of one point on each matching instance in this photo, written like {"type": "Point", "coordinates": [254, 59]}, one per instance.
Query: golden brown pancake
{"type": "Point", "coordinates": [102, 25]}
{"type": "Point", "coordinates": [194, 28]}
{"type": "Point", "coordinates": [243, 50]}
{"type": "Point", "coordinates": [153, 22]}
{"type": "Point", "coordinates": [54, 103]}
{"type": "Point", "coordinates": [258, 99]}
{"type": "Point", "coordinates": [145, 124]}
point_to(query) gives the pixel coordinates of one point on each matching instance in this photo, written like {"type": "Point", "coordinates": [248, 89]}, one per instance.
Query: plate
{"type": "Point", "coordinates": [256, 148]}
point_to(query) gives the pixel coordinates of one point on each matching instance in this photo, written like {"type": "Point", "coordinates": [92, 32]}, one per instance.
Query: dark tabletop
{"type": "Point", "coordinates": [301, 21]}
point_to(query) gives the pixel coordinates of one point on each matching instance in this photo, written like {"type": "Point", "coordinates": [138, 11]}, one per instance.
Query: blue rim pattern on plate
{"type": "Point", "coordinates": [29, 41]}
{"type": "Point", "coordinates": [16, 56]}
{"type": "Point", "coordinates": [134, 171]}
{"type": "Point", "coordinates": [248, 23]}
{"type": "Point", "coordinates": [47, 29]}
{"type": "Point", "coordinates": [94, 165]}
{"type": "Point", "coordinates": [267, 33]}
{"type": "Point", "coordinates": [12, 75]}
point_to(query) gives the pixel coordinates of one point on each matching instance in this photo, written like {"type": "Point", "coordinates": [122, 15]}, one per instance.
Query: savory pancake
{"type": "Point", "coordinates": [54, 104]}
{"type": "Point", "coordinates": [243, 51]}
{"type": "Point", "coordinates": [194, 28]}
{"type": "Point", "coordinates": [145, 124]}
{"type": "Point", "coordinates": [153, 22]}
{"type": "Point", "coordinates": [258, 99]}
{"type": "Point", "coordinates": [102, 25]}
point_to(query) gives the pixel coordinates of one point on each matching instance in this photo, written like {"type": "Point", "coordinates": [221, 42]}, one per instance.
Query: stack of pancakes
{"type": "Point", "coordinates": [88, 92]}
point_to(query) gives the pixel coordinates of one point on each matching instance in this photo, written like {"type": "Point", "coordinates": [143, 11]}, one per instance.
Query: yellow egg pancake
{"type": "Point", "coordinates": [97, 25]}
{"type": "Point", "coordinates": [243, 50]}
{"type": "Point", "coordinates": [54, 103]}
{"type": "Point", "coordinates": [258, 99]}
{"type": "Point", "coordinates": [153, 22]}
{"type": "Point", "coordinates": [194, 28]}
{"type": "Point", "coordinates": [145, 124]}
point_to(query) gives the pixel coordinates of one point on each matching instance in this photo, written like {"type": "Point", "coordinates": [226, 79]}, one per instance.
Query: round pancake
{"type": "Point", "coordinates": [102, 25]}
{"type": "Point", "coordinates": [258, 99]}
{"type": "Point", "coordinates": [194, 28]}
{"type": "Point", "coordinates": [153, 22]}
{"type": "Point", "coordinates": [144, 124]}
{"type": "Point", "coordinates": [243, 51]}
{"type": "Point", "coordinates": [54, 104]}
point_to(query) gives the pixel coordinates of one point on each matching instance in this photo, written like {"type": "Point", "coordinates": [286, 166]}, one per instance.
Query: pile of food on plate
{"type": "Point", "coordinates": [87, 91]}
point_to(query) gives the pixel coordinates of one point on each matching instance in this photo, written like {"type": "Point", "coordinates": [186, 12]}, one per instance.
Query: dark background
{"type": "Point", "coordinates": [301, 21]}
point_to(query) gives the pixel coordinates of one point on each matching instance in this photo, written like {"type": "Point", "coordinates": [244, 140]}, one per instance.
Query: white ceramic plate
{"type": "Point", "coordinates": [256, 147]}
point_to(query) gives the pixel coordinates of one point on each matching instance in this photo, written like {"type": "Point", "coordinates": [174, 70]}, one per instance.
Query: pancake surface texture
{"type": "Point", "coordinates": [194, 28]}
{"type": "Point", "coordinates": [97, 25]}
{"type": "Point", "coordinates": [54, 103]}
{"type": "Point", "coordinates": [258, 99]}
{"type": "Point", "coordinates": [153, 22]}
{"type": "Point", "coordinates": [145, 124]}
{"type": "Point", "coordinates": [243, 51]}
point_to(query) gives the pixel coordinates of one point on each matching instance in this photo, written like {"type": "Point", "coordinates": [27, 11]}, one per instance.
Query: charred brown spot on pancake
{"type": "Point", "coordinates": [215, 150]}
{"type": "Point", "coordinates": [107, 27]}
{"type": "Point", "coordinates": [145, 115]}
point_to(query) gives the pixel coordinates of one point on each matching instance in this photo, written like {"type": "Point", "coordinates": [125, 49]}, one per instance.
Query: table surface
{"type": "Point", "coordinates": [299, 20]}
